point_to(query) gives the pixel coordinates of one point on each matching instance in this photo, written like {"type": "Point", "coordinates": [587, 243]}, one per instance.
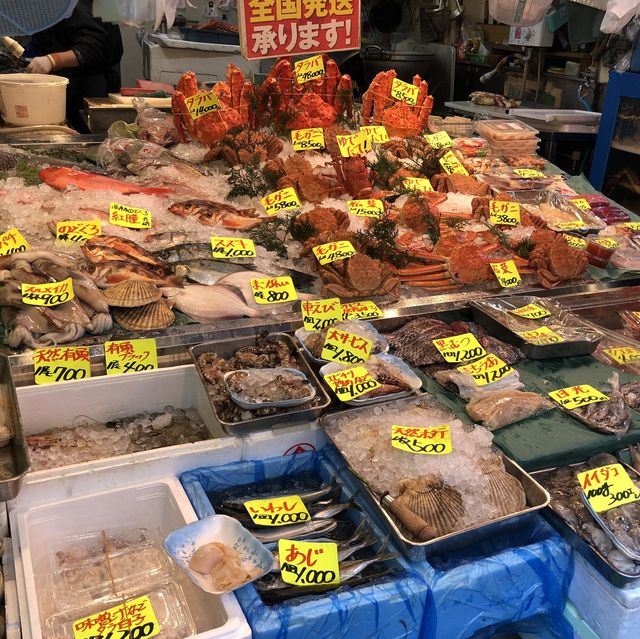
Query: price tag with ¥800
{"type": "Point", "coordinates": [345, 348]}
{"type": "Point", "coordinates": [634, 226]}
{"type": "Point", "coordinates": [129, 216]}
{"type": "Point", "coordinates": [451, 164]}
{"type": "Point", "coordinates": [575, 396]}
{"type": "Point", "coordinates": [353, 145]}
{"type": "Point", "coordinates": [440, 140]}
{"type": "Point", "coordinates": [575, 242]}
{"type": "Point", "coordinates": [318, 315]}
{"type": "Point", "coordinates": [608, 487]}
{"type": "Point", "coordinates": [277, 511]}
{"type": "Point", "coordinates": [576, 225]}
{"type": "Point", "coordinates": [351, 383]}
{"type": "Point", "coordinates": [309, 563]}
{"type": "Point", "coordinates": [12, 242]}
{"type": "Point", "coordinates": [132, 618]}
{"type": "Point", "coordinates": [332, 251]}
{"type": "Point", "coordinates": [309, 69]}
{"type": "Point", "coordinates": [61, 364]}
{"type": "Point", "coordinates": [435, 440]}
{"type": "Point", "coordinates": [77, 231]}
{"type": "Point", "coordinates": [506, 273]}
{"type": "Point", "coordinates": [360, 310]}
{"type": "Point", "coordinates": [607, 242]}
{"type": "Point", "coordinates": [623, 354]}
{"type": "Point", "coordinates": [306, 139]}
{"type": "Point", "coordinates": [375, 134]}
{"type": "Point", "coordinates": [487, 370]}
{"type": "Point", "coordinates": [417, 184]}
{"type": "Point", "coordinates": [581, 203]}
{"type": "Point", "coordinates": [504, 212]}
{"type": "Point", "coordinates": [366, 208]}
{"type": "Point", "coordinates": [530, 311]}
{"type": "Point", "coordinates": [282, 200]}
{"type": "Point", "coordinates": [202, 103]}
{"type": "Point", "coordinates": [459, 348]}
{"type": "Point", "coordinates": [273, 290]}
{"type": "Point", "coordinates": [130, 356]}
{"type": "Point", "coordinates": [49, 294]}
{"type": "Point", "coordinates": [528, 173]}
{"type": "Point", "coordinates": [232, 247]}
{"type": "Point", "coordinates": [541, 336]}
{"type": "Point", "coordinates": [404, 91]}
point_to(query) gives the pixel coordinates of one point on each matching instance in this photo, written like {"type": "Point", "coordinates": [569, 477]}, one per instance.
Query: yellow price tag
{"type": "Point", "coordinates": [49, 294]}
{"type": "Point", "coordinates": [282, 200]}
{"type": "Point", "coordinates": [332, 251]}
{"type": "Point", "coordinates": [130, 356]}
{"type": "Point", "coordinates": [528, 173]}
{"type": "Point", "coordinates": [273, 290]}
{"type": "Point", "coordinates": [360, 310]}
{"type": "Point", "coordinates": [569, 226]}
{"type": "Point", "coordinates": [581, 203]}
{"type": "Point", "coordinates": [607, 242]}
{"type": "Point", "coordinates": [129, 216]}
{"type": "Point", "coordinates": [417, 184]}
{"type": "Point", "coordinates": [404, 91]}
{"type": "Point", "coordinates": [608, 487]}
{"type": "Point", "coordinates": [636, 314]}
{"type": "Point", "coordinates": [440, 140]}
{"type": "Point", "coordinates": [353, 145]}
{"type": "Point", "coordinates": [277, 511]}
{"type": "Point", "coordinates": [487, 370]}
{"type": "Point", "coordinates": [504, 212]}
{"type": "Point", "coordinates": [345, 348]}
{"type": "Point", "coordinates": [12, 242]}
{"type": "Point", "coordinates": [318, 315]}
{"type": "Point", "coordinates": [459, 348]}
{"type": "Point", "coordinates": [351, 383]}
{"type": "Point", "coordinates": [451, 164]}
{"type": "Point", "coordinates": [531, 311]}
{"type": "Point", "coordinates": [575, 396]}
{"type": "Point", "coordinates": [634, 226]}
{"type": "Point", "coordinates": [366, 208]}
{"type": "Point", "coordinates": [132, 618]}
{"type": "Point", "coordinates": [541, 336]}
{"type": "Point", "coordinates": [575, 242]}
{"type": "Point", "coordinates": [375, 134]}
{"type": "Point", "coordinates": [232, 247]}
{"type": "Point", "coordinates": [435, 440]}
{"type": "Point", "coordinates": [506, 273]}
{"type": "Point", "coordinates": [623, 354]}
{"type": "Point", "coordinates": [306, 139]}
{"type": "Point", "coordinates": [61, 364]}
{"type": "Point", "coordinates": [202, 103]}
{"type": "Point", "coordinates": [77, 231]}
{"type": "Point", "coordinates": [309, 69]}
{"type": "Point", "coordinates": [309, 563]}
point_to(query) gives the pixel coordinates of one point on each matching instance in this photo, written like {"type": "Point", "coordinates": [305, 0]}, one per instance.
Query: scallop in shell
{"type": "Point", "coordinates": [145, 318]}
{"type": "Point", "coordinates": [437, 503]}
{"type": "Point", "coordinates": [505, 491]}
{"type": "Point", "coordinates": [132, 293]}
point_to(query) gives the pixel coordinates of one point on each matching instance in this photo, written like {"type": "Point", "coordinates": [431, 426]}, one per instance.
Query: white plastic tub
{"type": "Point", "coordinates": [28, 99]}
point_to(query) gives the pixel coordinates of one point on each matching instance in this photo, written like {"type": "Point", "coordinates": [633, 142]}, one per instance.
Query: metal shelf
{"type": "Point", "coordinates": [623, 146]}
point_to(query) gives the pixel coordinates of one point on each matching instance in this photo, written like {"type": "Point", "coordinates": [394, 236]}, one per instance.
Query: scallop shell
{"type": "Point", "coordinates": [144, 318]}
{"type": "Point", "coordinates": [132, 293]}
{"type": "Point", "coordinates": [437, 503]}
{"type": "Point", "coordinates": [505, 491]}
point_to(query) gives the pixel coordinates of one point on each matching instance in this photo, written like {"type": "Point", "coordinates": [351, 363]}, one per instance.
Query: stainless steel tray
{"type": "Point", "coordinates": [226, 348]}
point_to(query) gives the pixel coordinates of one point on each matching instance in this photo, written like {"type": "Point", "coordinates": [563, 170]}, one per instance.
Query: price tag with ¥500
{"type": "Point", "coordinates": [308, 563]}
{"type": "Point", "coordinates": [530, 311]}
{"type": "Point", "coordinates": [504, 212]}
{"type": "Point", "coordinates": [375, 134]}
{"type": "Point", "coordinates": [277, 511]}
{"type": "Point", "coordinates": [318, 315]}
{"type": "Point", "coordinates": [506, 273]}
{"type": "Point", "coordinates": [130, 356]}
{"type": "Point", "coordinates": [332, 251]}
{"type": "Point", "coordinates": [61, 364]}
{"type": "Point", "coordinates": [49, 294]}
{"type": "Point", "coordinates": [541, 336]}
{"type": "Point", "coordinates": [345, 348]}
{"type": "Point", "coordinates": [451, 164]}
{"type": "Point", "coordinates": [440, 140]}
{"type": "Point", "coordinates": [366, 208]}
{"type": "Point", "coordinates": [282, 200]}
{"type": "Point", "coordinates": [353, 145]}
{"type": "Point", "coordinates": [459, 348]}
{"type": "Point", "coordinates": [360, 310]}
{"type": "Point", "coordinates": [129, 216]}
{"type": "Point", "coordinates": [487, 370]}
{"type": "Point", "coordinates": [309, 69]}
{"type": "Point", "coordinates": [575, 242]}
{"type": "Point", "coordinates": [77, 231]}
{"type": "Point", "coordinates": [404, 91]}
{"type": "Point", "coordinates": [575, 396]}
{"type": "Point", "coordinates": [435, 440]}
{"type": "Point", "coordinates": [202, 103]}
{"type": "Point", "coordinates": [232, 247]}
{"type": "Point", "coordinates": [623, 354]}
{"type": "Point", "coordinates": [417, 184]}
{"type": "Point", "coordinates": [351, 383]}
{"type": "Point", "coordinates": [608, 487]}
{"type": "Point", "coordinates": [273, 290]}
{"type": "Point", "coordinates": [12, 242]}
{"type": "Point", "coordinates": [307, 139]}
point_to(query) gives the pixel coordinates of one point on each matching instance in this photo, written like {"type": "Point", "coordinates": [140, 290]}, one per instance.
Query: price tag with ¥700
{"type": "Point", "coordinates": [623, 354]}
{"type": "Point", "coordinates": [528, 173]}
{"type": "Point", "coordinates": [49, 294]}
{"type": "Point", "coordinates": [77, 231]}
{"type": "Point", "coordinates": [351, 383]}
{"type": "Point", "coordinates": [608, 487]}
{"type": "Point", "coordinates": [360, 310]}
{"type": "Point", "coordinates": [439, 140]}
{"type": "Point", "coordinates": [277, 511]}
{"type": "Point", "coordinates": [345, 348]}
{"type": "Point", "coordinates": [435, 440]}
{"type": "Point", "coordinates": [282, 200]}
{"type": "Point", "coordinates": [375, 134]}
{"type": "Point", "coordinates": [581, 203]}
{"type": "Point", "coordinates": [504, 212]}
{"type": "Point", "coordinates": [541, 336]}
{"type": "Point", "coordinates": [506, 273]}
{"type": "Point", "coordinates": [417, 184]}
{"type": "Point", "coordinates": [332, 251]}
{"type": "Point", "coordinates": [487, 370]}
{"type": "Point", "coordinates": [575, 242]}
{"type": "Point", "coordinates": [129, 216]}
{"type": "Point", "coordinates": [459, 348]}
{"type": "Point", "coordinates": [575, 396]}
{"type": "Point", "coordinates": [451, 164]}
{"type": "Point", "coordinates": [130, 356]}
{"type": "Point", "coordinates": [61, 364]}
{"type": "Point", "coordinates": [306, 139]}
{"type": "Point", "coordinates": [366, 208]}
{"type": "Point", "coordinates": [202, 103]}
{"type": "Point", "coordinates": [232, 247]}
{"type": "Point", "coordinates": [12, 242]}
{"type": "Point", "coordinates": [309, 563]}
{"type": "Point", "coordinates": [309, 69]}
{"type": "Point", "coordinates": [530, 311]}
{"type": "Point", "coordinates": [273, 290]}
{"type": "Point", "coordinates": [318, 315]}
{"type": "Point", "coordinates": [353, 145]}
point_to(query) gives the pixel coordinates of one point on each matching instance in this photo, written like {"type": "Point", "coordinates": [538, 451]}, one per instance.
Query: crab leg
{"type": "Point", "coordinates": [184, 125]}
{"type": "Point", "coordinates": [344, 96]}
{"type": "Point", "coordinates": [421, 270]}
{"type": "Point", "coordinates": [331, 78]}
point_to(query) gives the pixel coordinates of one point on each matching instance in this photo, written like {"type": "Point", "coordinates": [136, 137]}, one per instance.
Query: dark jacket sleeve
{"type": "Point", "coordinates": [88, 37]}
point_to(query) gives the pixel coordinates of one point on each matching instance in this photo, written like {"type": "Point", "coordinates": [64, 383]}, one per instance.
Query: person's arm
{"type": "Point", "coordinates": [53, 62]}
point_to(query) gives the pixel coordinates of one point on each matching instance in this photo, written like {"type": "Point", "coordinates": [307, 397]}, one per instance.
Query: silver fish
{"type": "Point", "coordinates": [207, 303]}
{"type": "Point", "coordinates": [209, 272]}
{"type": "Point", "coordinates": [185, 252]}
{"type": "Point", "coordinates": [334, 509]}
{"type": "Point", "coordinates": [298, 531]}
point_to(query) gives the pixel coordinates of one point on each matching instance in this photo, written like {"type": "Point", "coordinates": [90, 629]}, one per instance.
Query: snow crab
{"type": "Point", "coordinates": [554, 260]}
{"type": "Point", "coordinates": [359, 276]}
{"type": "Point", "coordinates": [242, 146]}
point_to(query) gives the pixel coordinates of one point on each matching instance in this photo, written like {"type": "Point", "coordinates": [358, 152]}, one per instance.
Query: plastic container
{"type": "Point", "coordinates": [599, 255]}
{"type": "Point", "coordinates": [28, 99]}
{"type": "Point", "coordinates": [503, 130]}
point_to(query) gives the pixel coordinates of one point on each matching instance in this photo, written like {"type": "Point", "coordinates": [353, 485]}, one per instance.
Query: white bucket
{"type": "Point", "coordinates": [28, 99]}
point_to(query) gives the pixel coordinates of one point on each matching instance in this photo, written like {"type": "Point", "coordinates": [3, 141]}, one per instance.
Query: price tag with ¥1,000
{"type": "Point", "coordinates": [282, 200]}
{"type": "Point", "coordinates": [306, 139]}
{"type": "Point", "coordinates": [459, 348]}
{"type": "Point", "coordinates": [132, 619]}
{"type": "Point", "coordinates": [318, 315]}
{"type": "Point", "coordinates": [504, 212]}
{"type": "Point", "coordinates": [49, 294]}
{"type": "Point", "coordinates": [607, 242]}
{"type": "Point", "coordinates": [332, 251]}
{"type": "Point", "coordinates": [634, 226]}
{"type": "Point", "coordinates": [202, 103]}
{"type": "Point", "coordinates": [435, 440]}
{"type": "Point", "coordinates": [351, 383]}
{"type": "Point", "coordinates": [623, 354]}
{"type": "Point", "coordinates": [487, 370]}
{"type": "Point", "coordinates": [360, 310]}
{"type": "Point", "coordinates": [273, 290]}
{"type": "Point", "coordinates": [353, 145]}
{"type": "Point", "coordinates": [608, 487]}
{"type": "Point", "coordinates": [581, 203]}
{"type": "Point", "coordinates": [541, 336]}
{"type": "Point", "coordinates": [375, 134]}
{"type": "Point", "coordinates": [440, 140]}
{"type": "Point", "coordinates": [404, 91]}
{"type": "Point", "coordinates": [530, 311]}
{"type": "Point", "coordinates": [232, 247]}
{"type": "Point", "coordinates": [528, 173]}
{"type": "Point", "coordinates": [345, 348]}
{"type": "Point", "coordinates": [61, 364]}
{"type": "Point", "coordinates": [366, 208]}
{"type": "Point", "coordinates": [575, 396]}
{"type": "Point", "coordinates": [130, 356]}
{"type": "Point", "coordinates": [12, 242]}
{"type": "Point", "coordinates": [277, 511]}
{"type": "Point", "coordinates": [506, 273]}
{"type": "Point", "coordinates": [575, 242]}
{"type": "Point", "coordinates": [77, 231]}
{"type": "Point", "coordinates": [129, 216]}
{"type": "Point", "coordinates": [309, 69]}
{"type": "Point", "coordinates": [451, 164]}
{"type": "Point", "coordinates": [576, 225]}
{"type": "Point", "coordinates": [417, 184]}
{"type": "Point", "coordinates": [309, 563]}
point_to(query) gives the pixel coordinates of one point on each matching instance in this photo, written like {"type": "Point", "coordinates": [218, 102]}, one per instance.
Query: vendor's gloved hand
{"type": "Point", "coordinates": [41, 64]}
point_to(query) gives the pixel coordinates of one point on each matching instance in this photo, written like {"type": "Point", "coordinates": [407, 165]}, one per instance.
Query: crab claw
{"type": "Point", "coordinates": [182, 120]}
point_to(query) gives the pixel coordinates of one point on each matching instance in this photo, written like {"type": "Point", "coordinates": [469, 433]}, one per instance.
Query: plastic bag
{"type": "Point", "coordinates": [618, 15]}
{"type": "Point", "coordinates": [132, 12]}
{"type": "Point", "coordinates": [518, 12]}
{"type": "Point", "coordinates": [155, 126]}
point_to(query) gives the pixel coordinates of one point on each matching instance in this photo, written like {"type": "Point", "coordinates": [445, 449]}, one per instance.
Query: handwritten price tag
{"type": "Point", "coordinates": [569, 226]}
{"type": "Point", "coordinates": [440, 140]}
{"type": "Point", "coordinates": [528, 173]}
{"type": "Point", "coordinates": [202, 103]}
{"type": "Point", "coordinates": [351, 383]}
{"type": "Point", "coordinates": [575, 396]}
{"type": "Point", "coordinates": [404, 91]}
{"type": "Point", "coordinates": [541, 336]}
{"type": "Point", "coordinates": [366, 208]}
{"type": "Point", "coordinates": [133, 618]}
{"type": "Point", "coordinates": [306, 139]}
{"type": "Point", "coordinates": [487, 370]}
{"type": "Point", "coordinates": [504, 212]}
{"type": "Point", "coordinates": [273, 290]}
{"type": "Point", "coordinates": [451, 164]}
{"type": "Point", "coordinates": [360, 310]}
{"type": "Point", "coordinates": [353, 145]}
{"type": "Point", "coordinates": [506, 273]}
{"type": "Point", "coordinates": [459, 348]}
{"type": "Point", "coordinates": [12, 242]}
{"type": "Point", "coordinates": [228, 247]}
{"type": "Point", "coordinates": [129, 216]}
{"type": "Point", "coordinates": [608, 487]}
{"type": "Point", "coordinates": [49, 294]}
{"type": "Point", "coordinates": [375, 134]}
{"type": "Point", "coordinates": [575, 242]}
{"type": "Point", "coordinates": [309, 69]}
{"type": "Point", "coordinates": [345, 348]}
{"type": "Point", "coordinates": [61, 364]}
{"type": "Point", "coordinates": [531, 311]}
{"type": "Point", "coordinates": [417, 184]}
{"type": "Point", "coordinates": [435, 440]}
{"type": "Point", "coordinates": [309, 563]}
{"type": "Point", "coordinates": [317, 315]}
{"type": "Point", "coordinates": [282, 200]}
{"type": "Point", "coordinates": [277, 511]}
{"type": "Point", "coordinates": [634, 226]}
{"type": "Point", "coordinates": [77, 231]}
{"type": "Point", "coordinates": [581, 203]}
{"type": "Point", "coordinates": [340, 250]}
{"type": "Point", "coordinates": [607, 242]}
{"type": "Point", "coordinates": [623, 354]}
{"type": "Point", "coordinates": [130, 356]}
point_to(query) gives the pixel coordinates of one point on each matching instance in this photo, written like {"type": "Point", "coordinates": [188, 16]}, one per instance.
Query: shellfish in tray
{"type": "Point", "coordinates": [153, 316]}
{"type": "Point", "coordinates": [132, 293]}
{"type": "Point", "coordinates": [505, 492]}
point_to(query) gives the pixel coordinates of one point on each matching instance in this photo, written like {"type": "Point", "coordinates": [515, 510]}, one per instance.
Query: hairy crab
{"type": "Point", "coordinates": [554, 260]}
{"type": "Point", "coordinates": [242, 146]}
{"type": "Point", "coordinates": [359, 276]}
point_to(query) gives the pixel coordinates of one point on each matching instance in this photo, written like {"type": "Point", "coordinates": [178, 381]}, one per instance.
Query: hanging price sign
{"type": "Point", "coordinates": [623, 354]}
{"type": "Point", "coordinates": [528, 173]}
{"type": "Point", "coordinates": [541, 336]}
{"type": "Point", "coordinates": [12, 242]}
{"type": "Point", "coordinates": [440, 140]}
{"type": "Point", "coordinates": [277, 511]}
{"type": "Point", "coordinates": [366, 208]}
{"type": "Point", "coordinates": [309, 69]}
{"type": "Point", "coordinates": [77, 231]}
{"type": "Point", "coordinates": [417, 184]}
{"type": "Point", "coordinates": [581, 203]}
{"type": "Point", "coordinates": [404, 91]}
{"type": "Point", "coordinates": [273, 290]}
{"type": "Point", "coordinates": [487, 370]}
{"type": "Point", "coordinates": [351, 383]}
{"type": "Point", "coordinates": [360, 310]}
{"type": "Point", "coordinates": [459, 348]}
{"type": "Point", "coordinates": [345, 348]}
{"type": "Point", "coordinates": [130, 356]}
{"type": "Point", "coordinates": [575, 242]}
{"type": "Point", "coordinates": [608, 487]}
{"type": "Point", "coordinates": [308, 563]}
{"type": "Point", "coordinates": [232, 247]}
{"type": "Point", "coordinates": [49, 294]}
{"type": "Point", "coordinates": [451, 164]}
{"type": "Point", "coordinates": [202, 103]}
{"type": "Point", "coordinates": [530, 311]}
{"type": "Point", "coordinates": [506, 273]}
{"type": "Point", "coordinates": [504, 212]}
{"type": "Point", "coordinates": [353, 145]}
{"type": "Point", "coordinates": [306, 139]}
{"type": "Point", "coordinates": [332, 251]}
{"type": "Point", "coordinates": [129, 216]}
{"type": "Point", "coordinates": [61, 364]}
{"type": "Point", "coordinates": [282, 200]}
{"type": "Point", "coordinates": [318, 315]}
{"type": "Point", "coordinates": [435, 440]}
{"type": "Point", "coordinates": [375, 134]}
{"type": "Point", "coordinates": [575, 396]}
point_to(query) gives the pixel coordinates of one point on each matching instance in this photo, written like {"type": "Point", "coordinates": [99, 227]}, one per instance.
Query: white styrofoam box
{"type": "Point", "coordinates": [11, 611]}
{"type": "Point", "coordinates": [161, 505]}
{"type": "Point", "coordinates": [283, 441]}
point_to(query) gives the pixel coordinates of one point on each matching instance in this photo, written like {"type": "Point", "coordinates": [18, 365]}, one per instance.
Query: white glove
{"type": "Point", "coordinates": [41, 64]}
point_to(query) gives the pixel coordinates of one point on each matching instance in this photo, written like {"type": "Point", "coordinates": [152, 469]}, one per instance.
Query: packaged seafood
{"type": "Point", "coordinates": [465, 385]}
{"type": "Point", "coordinates": [630, 323]}
{"type": "Point", "coordinates": [263, 387]}
{"type": "Point", "coordinates": [500, 130]}
{"type": "Point", "coordinates": [496, 409]}
{"type": "Point", "coordinates": [619, 352]}
{"type": "Point", "coordinates": [631, 394]}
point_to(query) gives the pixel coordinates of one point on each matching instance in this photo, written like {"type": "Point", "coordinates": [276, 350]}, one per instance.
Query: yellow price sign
{"type": "Point", "coordinates": [623, 354]}
{"type": "Point", "coordinates": [318, 315]}
{"type": "Point", "coordinates": [61, 364]}
{"type": "Point", "coordinates": [282, 200]}
{"type": "Point", "coordinates": [77, 231]}
{"type": "Point", "coordinates": [332, 251]}
{"type": "Point", "coordinates": [634, 226]}
{"type": "Point", "coordinates": [435, 440]}
{"type": "Point", "coordinates": [451, 164]}
{"type": "Point", "coordinates": [504, 212]}
{"type": "Point", "coordinates": [459, 348]}
{"type": "Point", "coordinates": [404, 91]}
{"type": "Point", "coordinates": [307, 139]}
{"type": "Point", "coordinates": [575, 242]}
{"type": "Point", "coordinates": [273, 290]}
{"type": "Point", "coordinates": [581, 203]}
{"type": "Point", "coordinates": [487, 370]}
{"type": "Point", "coordinates": [576, 396]}
{"type": "Point", "coordinates": [345, 348]}
{"type": "Point", "coordinates": [49, 294]}
{"type": "Point", "coordinates": [375, 134]}
{"type": "Point", "coordinates": [569, 226]}
{"type": "Point", "coordinates": [541, 336]}
{"type": "Point", "coordinates": [440, 140]}
{"type": "Point", "coordinates": [417, 184]}
{"type": "Point", "coordinates": [232, 247]}
{"type": "Point", "coordinates": [277, 511]}
{"type": "Point", "coordinates": [506, 273]}
{"type": "Point", "coordinates": [309, 69]}
{"type": "Point", "coordinates": [366, 208]}
{"type": "Point", "coordinates": [130, 356]}
{"type": "Point", "coordinates": [202, 103]}
{"type": "Point", "coordinates": [309, 563]}
{"type": "Point", "coordinates": [12, 241]}
{"type": "Point", "coordinates": [360, 310]}
{"type": "Point", "coordinates": [608, 487]}
{"type": "Point", "coordinates": [351, 383]}
{"type": "Point", "coordinates": [528, 173]}
{"type": "Point", "coordinates": [129, 216]}
{"type": "Point", "coordinates": [353, 145]}
{"type": "Point", "coordinates": [530, 311]}
{"type": "Point", "coordinates": [607, 242]}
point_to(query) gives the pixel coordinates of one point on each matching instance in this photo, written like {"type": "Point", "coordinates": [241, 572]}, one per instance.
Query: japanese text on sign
{"type": "Point", "coordinates": [528, 173]}
{"type": "Point", "coordinates": [451, 164]}
{"type": "Point", "coordinates": [417, 184]}
{"type": "Point", "coordinates": [541, 336]}
{"type": "Point", "coordinates": [506, 273]}
{"type": "Point", "coordinates": [273, 290]}
{"type": "Point", "coordinates": [575, 242]}
{"type": "Point", "coordinates": [353, 145]}
{"type": "Point", "coordinates": [435, 440]}
{"type": "Point", "coordinates": [78, 231]}
{"type": "Point", "coordinates": [569, 226]}
{"type": "Point", "coordinates": [580, 202]}
{"type": "Point", "coordinates": [345, 348]}
{"type": "Point", "coordinates": [227, 247]}
{"type": "Point", "coordinates": [375, 134]}
{"type": "Point", "coordinates": [360, 310]}
{"type": "Point", "coordinates": [129, 216]}
{"type": "Point", "coordinates": [308, 563]}
{"type": "Point", "coordinates": [318, 315]}
{"type": "Point", "coordinates": [607, 242]}
{"type": "Point", "coordinates": [487, 370]}
{"type": "Point", "coordinates": [404, 91]}
{"type": "Point", "coordinates": [282, 200]}
{"type": "Point", "coordinates": [309, 69]}
{"type": "Point", "coordinates": [366, 208]}
{"type": "Point", "coordinates": [49, 294]}
{"type": "Point", "coordinates": [12, 242]}
{"type": "Point", "coordinates": [575, 396]}
{"type": "Point", "coordinates": [459, 348]}
{"type": "Point", "coordinates": [202, 103]}
{"type": "Point", "coordinates": [439, 140]}
{"type": "Point", "coordinates": [273, 28]}
{"type": "Point", "coordinates": [332, 251]}
{"type": "Point", "coordinates": [530, 311]}
{"type": "Point", "coordinates": [504, 212]}
{"type": "Point", "coordinates": [634, 226]}
{"type": "Point", "coordinates": [306, 139]}
{"type": "Point", "coordinates": [61, 364]}
{"type": "Point", "coordinates": [130, 356]}
{"type": "Point", "coordinates": [623, 354]}
{"type": "Point", "coordinates": [608, 487]}
{"type": "Point", "coordinates": [277, 511]}
{"type": "Point", "coordinates": [351, 383]}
